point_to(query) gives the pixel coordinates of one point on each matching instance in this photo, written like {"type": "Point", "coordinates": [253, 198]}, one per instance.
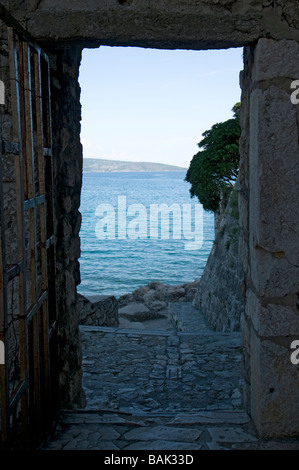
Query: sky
{"type": "Point", "coordinates": [153, 105]}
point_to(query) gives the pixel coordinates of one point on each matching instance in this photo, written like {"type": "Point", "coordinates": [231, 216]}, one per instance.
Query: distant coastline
{"type": "Point", "coordinates": [98, 165]}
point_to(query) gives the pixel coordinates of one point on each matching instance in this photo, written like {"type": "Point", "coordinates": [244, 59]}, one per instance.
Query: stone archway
{"type": "Point", "coordinates": [268, 174]}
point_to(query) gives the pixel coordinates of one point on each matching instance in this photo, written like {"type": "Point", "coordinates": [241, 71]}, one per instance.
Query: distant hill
{"type": "Point", "coordinates": [99, 165]}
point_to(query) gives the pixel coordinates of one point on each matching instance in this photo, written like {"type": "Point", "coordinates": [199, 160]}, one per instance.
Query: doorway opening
{"type": "Point", "coordinates": [144, 109]}
{"type": "Point", "coordinates": [142, 121]}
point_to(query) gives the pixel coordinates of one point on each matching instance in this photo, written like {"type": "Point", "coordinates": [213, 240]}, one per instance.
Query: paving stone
{"type": "Point", "coordinates": [216, 446]}
{"type": "Point", "coordinates": [163, 445]}
{"type": "Point", "coordinates": [107, 433]}
{"type": "Point", "coordinates": [160, 390]}
{"type": "Point", "coordinates": [81, 445]}
{"type": "Point", "coordinates": [164, 433]}
{"type": "Point", "coordinates": [88, 418]}
{"type": "Point", "coordinates": [271, 445]}
{"type": "Point", "coordinates": [220, 434]}
{"type": "Point", "coordinates": [104, 445]}
{"type": "Point", "coordinates": [216, 417]}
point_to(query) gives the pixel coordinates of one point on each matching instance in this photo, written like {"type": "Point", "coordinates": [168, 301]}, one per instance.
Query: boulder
{"type": "Point", "coordinates": [151, 302]}
{"type": "Point", "coordinates": [138, 311]}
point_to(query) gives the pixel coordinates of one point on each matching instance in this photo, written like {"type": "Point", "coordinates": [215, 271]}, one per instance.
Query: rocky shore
{"type": "Point", "coordinates": [145, 304]}
{"type": "Point", "coordinates": [151, 301]}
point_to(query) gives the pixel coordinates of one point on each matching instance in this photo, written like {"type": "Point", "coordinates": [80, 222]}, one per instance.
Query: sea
{"type": "Point", "coordinates": [140, 227]}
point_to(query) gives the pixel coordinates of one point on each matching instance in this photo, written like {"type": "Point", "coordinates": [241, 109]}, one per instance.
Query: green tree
{"type": "Point", "coordinates": [214, 169]}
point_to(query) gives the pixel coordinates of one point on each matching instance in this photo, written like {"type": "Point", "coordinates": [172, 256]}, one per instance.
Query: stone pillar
{"type": "Point", "coordinates": [269, 215]}
{"type": "Point", "coordinates": [67, 152]}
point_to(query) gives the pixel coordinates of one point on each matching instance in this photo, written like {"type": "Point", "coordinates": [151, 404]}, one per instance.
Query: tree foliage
{"type": "Point", "coordinates": [214, 168]}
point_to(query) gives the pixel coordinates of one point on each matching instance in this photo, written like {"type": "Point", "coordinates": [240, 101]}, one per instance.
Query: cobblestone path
{"type": "Point", "coordinates": [161, 390]}
{"type": "Point", "coordinates": [131, 371]}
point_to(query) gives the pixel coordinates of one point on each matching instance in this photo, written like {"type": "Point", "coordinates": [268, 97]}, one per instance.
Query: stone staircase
{"type": "Point", "coordinates": [177, 388]}
{"type": "Point", "coordinates": [185, 317]}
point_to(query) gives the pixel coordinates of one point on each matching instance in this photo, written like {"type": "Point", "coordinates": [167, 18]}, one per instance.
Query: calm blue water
{"type": "Point", "coordinates": [119, 266]}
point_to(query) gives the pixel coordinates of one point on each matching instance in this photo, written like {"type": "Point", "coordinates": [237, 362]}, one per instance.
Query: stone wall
{"type": "Point", "coordinates": [219, 296]}
{"type": "Point", "coordinates": [100, 310]}
{"type": "Point", "coordinates": [269, 211]}
{"type": "Point", "coordinates": [173, 24]}
{"type": "Point", "coordinates": [67, 153]}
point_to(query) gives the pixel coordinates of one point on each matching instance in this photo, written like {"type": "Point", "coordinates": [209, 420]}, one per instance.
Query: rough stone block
{"type": "Point", "coordinates": [274, 210]}
{"type": "Point", "coordinates": [274, 387]}
{"type": "Point", "coordinates": [274, 171]}
{"type": "Point", "coordinates": [273, 277]}
{"type": "Point", "coordinates": [273, 320]}
{"type": "Point", "coordinates": [138, 311]}
{"type": "Point", "coordinates": [276, 59]}
{"type": "Point", "coordinates": [134, 307]}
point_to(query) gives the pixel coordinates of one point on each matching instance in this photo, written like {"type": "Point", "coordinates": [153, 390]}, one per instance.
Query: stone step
{"type": "Point", "coordinates": [228, 337]}
{"type": "Point", "coordinates": [187, 318]}
{"type": "Point", "coordinates": [85, 416]}
{"type": "Point", "coordinates": [205, 430]}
